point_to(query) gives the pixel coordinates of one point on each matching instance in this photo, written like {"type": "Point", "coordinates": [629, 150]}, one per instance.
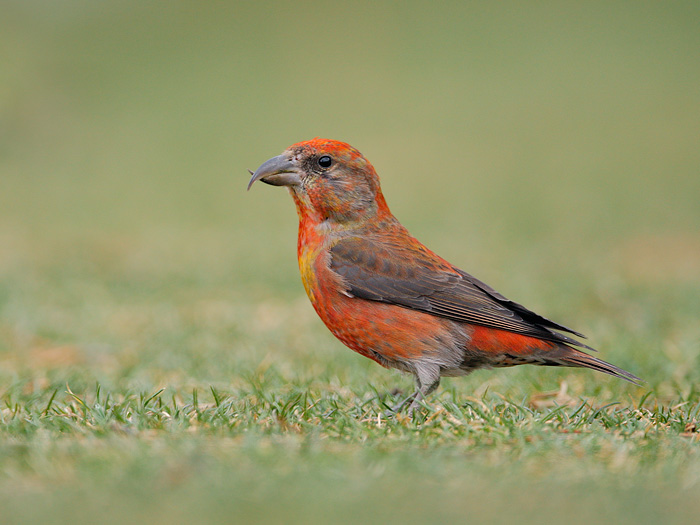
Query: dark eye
{"type": "Point", "coordinates": [325, 161]}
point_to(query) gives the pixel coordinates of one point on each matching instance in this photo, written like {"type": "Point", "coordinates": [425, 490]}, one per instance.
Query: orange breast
{"type": "Point", "coordinates": [369, 327]}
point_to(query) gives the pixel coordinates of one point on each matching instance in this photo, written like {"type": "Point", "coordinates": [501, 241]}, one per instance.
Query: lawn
{"type": "Point", "coordinates": [159, 361]}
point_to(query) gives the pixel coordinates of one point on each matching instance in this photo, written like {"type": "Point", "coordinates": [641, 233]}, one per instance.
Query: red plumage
{"type": "Point", "coordinates": [388, 297]}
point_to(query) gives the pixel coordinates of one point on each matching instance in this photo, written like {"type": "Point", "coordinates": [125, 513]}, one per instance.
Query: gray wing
{"type": "Point", "coordinates": [413, 277]}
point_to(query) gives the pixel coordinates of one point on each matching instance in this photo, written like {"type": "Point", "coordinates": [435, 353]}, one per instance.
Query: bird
{"type": "Point", "coordinates": [388, 297]}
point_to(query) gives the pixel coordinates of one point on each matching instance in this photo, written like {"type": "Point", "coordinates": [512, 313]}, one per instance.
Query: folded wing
{"type": "Point", "coordinates": [409, 275]}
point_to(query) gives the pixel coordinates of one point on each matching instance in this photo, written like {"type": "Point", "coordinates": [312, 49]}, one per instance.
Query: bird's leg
{"type": "Point", "coordinates": [423, 390]}
{"type": "Point", "coordinates": [427, 380]}
{"type": "Point", "coordinates": [397, 408]}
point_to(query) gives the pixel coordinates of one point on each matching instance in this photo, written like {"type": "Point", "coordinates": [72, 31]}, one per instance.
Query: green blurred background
{"type": "Point", "coordinates": [551, 120]}
{"type": "Point", "coordinates": [550, 148]}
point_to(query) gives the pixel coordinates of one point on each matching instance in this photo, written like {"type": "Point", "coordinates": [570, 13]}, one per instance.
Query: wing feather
{"type": "Point", "coordinates": [413, 277]}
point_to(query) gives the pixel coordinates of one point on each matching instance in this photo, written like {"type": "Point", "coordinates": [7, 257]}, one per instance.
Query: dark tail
{"type": "Point", "coordinates": [566, 356]}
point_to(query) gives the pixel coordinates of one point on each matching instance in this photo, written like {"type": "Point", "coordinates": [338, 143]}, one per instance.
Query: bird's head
{"type": "Point", "coordinates": [329, 180]}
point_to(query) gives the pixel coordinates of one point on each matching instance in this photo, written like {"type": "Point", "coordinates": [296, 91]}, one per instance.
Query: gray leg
{"type": "Point", "coordinates": [427, 380]}
{"type": "Point", "coordinates": [397, 408]}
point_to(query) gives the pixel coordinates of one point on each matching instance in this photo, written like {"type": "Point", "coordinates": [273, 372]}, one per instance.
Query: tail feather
{"type": "Point", "coordinates": [571, 357]}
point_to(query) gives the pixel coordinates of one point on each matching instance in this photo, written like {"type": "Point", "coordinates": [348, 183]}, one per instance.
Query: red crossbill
{"type": "Point", "coordinates": [388, 297]}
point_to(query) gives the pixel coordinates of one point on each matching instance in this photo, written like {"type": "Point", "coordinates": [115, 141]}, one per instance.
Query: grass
{"type": "Point", "coordinates": [295, 444]}
{"type": "Point", "coordinates": [136, 393]}
{"type": "Point", "coordinates": [158, 359]}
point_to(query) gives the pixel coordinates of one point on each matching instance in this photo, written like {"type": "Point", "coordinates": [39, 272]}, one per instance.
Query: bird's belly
{"type": "Point", "coordinates": [398, 337]}
{"type": "Point", "coordinates": [391, 335]}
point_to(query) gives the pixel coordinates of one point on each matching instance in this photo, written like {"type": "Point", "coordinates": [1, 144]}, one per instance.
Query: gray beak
{"type": "Point", "coordinates": [278, 171]}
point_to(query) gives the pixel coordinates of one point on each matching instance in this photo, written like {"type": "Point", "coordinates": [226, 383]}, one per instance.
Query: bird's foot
{"type": "Point", "coordinates": [413, 408]}
{"type": "Point", "coordinates": [415, 403]}
{"type": "Point", "coordinates": [397, 408]}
